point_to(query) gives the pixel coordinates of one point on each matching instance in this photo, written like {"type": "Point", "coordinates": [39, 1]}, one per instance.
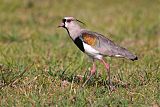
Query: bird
{"type": "Point", "coordinates": [95, 45]}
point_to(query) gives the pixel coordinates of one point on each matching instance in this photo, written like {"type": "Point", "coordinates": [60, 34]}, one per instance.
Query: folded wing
{"type": "Point", "coordinates": [105, 46]}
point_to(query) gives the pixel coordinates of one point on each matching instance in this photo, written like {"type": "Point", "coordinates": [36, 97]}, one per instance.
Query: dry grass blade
{"type": "Point", "coordinates": [18, 77]}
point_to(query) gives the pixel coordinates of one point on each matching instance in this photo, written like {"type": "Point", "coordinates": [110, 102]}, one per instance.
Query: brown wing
{"type": "Point", "coordinates": [89, 39]}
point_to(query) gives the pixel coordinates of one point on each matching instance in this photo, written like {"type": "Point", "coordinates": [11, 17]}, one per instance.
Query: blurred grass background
{"type": "Point", "coordinates": [39, 62]}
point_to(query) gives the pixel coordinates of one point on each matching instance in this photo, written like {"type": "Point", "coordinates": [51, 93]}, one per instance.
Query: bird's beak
{"type": "Point", "coordinates": [61, 25]}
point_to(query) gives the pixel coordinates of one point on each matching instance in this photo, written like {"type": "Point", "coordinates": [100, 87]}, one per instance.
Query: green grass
{"type": "Point", "coordinates": [36, 58]}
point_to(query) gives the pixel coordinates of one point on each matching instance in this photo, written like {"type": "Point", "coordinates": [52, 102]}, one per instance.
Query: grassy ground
{"type": "Point", "coordinates": [39, 63]}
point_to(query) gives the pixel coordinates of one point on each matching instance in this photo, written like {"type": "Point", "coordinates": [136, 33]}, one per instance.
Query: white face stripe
{"type": "Point", "coordinates": [66, 23]}
{"type": "Point", "coordinates": [68, 17]}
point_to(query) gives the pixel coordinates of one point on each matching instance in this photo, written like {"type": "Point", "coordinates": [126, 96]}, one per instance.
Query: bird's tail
{"type": "Point", "coordinates": [127, 54]}
{"type": "Point", "coordinates": [134, 58]}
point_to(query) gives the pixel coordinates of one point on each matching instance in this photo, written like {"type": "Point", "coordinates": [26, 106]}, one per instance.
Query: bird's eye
{"type": "Point", "coordinates": [69, 20]}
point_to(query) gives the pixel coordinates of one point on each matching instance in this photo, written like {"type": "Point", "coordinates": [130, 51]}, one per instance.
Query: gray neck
{"type": "Point", "coordinates": [74, 31]}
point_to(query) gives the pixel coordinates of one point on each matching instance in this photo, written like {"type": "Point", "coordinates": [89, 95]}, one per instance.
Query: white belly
{"type": "Point", "coordinates": [91, 51]}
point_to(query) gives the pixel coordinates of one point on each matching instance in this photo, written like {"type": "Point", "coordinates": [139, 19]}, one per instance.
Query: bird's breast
{"type": "Point", "coordinates": [90, 51]}
{"type": "Point", "coordinates": [79, 44]}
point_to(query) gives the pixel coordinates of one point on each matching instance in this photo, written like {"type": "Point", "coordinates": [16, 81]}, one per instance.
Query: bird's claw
{"type": "Point", "coordinates": [112, 88]}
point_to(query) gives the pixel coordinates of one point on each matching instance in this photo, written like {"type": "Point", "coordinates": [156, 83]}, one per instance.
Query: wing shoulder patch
{"type": "Point", "coordinates": [89, 39]}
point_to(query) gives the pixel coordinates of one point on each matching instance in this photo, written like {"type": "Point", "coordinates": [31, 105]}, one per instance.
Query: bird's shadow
{"type": "Point", "coordinates": [95, 80]}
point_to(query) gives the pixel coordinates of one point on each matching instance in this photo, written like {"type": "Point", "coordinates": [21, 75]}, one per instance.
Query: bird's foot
{"type": "Point", "coordinates": [88, 78]}
{"type": "Point", "coordinates": [80, 77]}
{"type": "Point", "coordinates": [112, 88]}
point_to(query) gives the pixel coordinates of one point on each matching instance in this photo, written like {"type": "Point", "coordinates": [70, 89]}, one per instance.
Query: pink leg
{"type": "Point", "coordinates": [107, 66]}
{"type": "Point", "coordinates": [92, 72]}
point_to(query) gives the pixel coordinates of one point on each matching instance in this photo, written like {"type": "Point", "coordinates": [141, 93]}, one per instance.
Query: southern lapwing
{"type": "Point", "coordinates": [95, 45]}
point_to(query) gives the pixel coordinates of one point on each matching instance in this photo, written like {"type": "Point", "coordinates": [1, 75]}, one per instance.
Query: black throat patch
{"type": "Point", "coordinates": [79, 44]}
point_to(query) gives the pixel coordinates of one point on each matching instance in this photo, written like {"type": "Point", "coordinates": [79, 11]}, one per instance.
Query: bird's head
{"type": "Point", "coordinates": [69, 23]}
